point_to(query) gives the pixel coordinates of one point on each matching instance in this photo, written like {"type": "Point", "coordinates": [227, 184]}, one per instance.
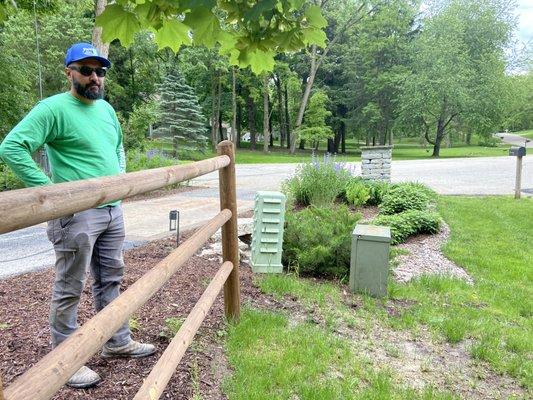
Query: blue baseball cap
{"type": "Point", "coordinates": [83, 51]}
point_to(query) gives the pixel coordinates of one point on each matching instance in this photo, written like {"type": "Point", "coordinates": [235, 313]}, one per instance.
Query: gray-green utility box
{"type": "Point", "coordinates": [369, 261]}
{"type": "Point", "coordinates": [267, 235]}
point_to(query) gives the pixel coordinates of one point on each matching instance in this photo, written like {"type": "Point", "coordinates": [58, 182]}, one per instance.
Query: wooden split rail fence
{"type": "Point", "coordinates": [27, 207]}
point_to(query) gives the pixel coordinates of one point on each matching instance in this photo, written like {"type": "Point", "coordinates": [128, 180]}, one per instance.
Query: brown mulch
{"type": "Point", "coordinates": [154, 194]}
{"type": "Point", "coordinates": [24, 303]}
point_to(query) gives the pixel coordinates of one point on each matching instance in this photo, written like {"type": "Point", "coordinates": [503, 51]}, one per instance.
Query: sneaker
{"type": "Point", "coordinates": [84, 378]}
{"type": "Point", "coordinates": [133, 349]}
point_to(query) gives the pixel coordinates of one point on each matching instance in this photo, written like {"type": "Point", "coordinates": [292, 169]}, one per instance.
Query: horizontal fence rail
{"type": "Point", "coordinates": [46, 377]}
{"type": "Point", "coordinates": [26, 207]}
{"type": "Point", "coordinates": [156, 382]}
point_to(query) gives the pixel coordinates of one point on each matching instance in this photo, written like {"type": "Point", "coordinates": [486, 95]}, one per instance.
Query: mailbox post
{"type": "Point", "coordinates": [518, 152]}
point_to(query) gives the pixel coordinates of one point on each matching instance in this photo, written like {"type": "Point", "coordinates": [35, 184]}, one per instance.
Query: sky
{"type": "Point", "coordinates": [525, 23]}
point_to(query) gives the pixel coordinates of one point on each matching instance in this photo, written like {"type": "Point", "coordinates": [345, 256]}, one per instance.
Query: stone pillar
{"type": "Point", "coordinates": [376, 162]}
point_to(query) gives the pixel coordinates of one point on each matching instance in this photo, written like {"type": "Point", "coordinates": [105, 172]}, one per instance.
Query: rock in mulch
{"type": "Point", "coordinates": [425, 258]}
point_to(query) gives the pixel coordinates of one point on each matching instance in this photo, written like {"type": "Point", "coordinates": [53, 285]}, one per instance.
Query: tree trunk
{"type": "Point", "coordinates": [468, 138]}
{"type": "Point", "coordinates": [338, 137]}
{"type": "Point", "coordinates": [266, 130]}
{"type": "Point", "coordinates": [305, 98]}
{"type": "Point", "coordinates": [251, 120]}
{"type": "Point", "coordinates": [239, 125]}
{"type": "Point", "coordinates": [220, 127]}
{"type": "Point", "coordinates": [438, 138]}
{"type": "Point", "coordinates": [281, 114]}
{"type": "Point", "coordinates": [214, 119]}
{"type": "Point", "coordinates": [343, 139]}
{"type": "Point", "coordinates": [233, 136]}
{"type": "Point", "coordinates": [103, 48]}
{"type": "Point", "coordinates": [218, 113]}
{"type": "Point", "coordinates": [331, 145]}
{"type": "Point", "coordinates": [287, 116]}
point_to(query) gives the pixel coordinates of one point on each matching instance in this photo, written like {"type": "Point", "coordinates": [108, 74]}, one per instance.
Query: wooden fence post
{"type": "Point", "coordinates": [230, 245]}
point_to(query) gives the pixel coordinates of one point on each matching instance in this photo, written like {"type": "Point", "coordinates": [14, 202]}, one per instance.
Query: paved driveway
{"type": "Point", "coordinates": [28, 249]}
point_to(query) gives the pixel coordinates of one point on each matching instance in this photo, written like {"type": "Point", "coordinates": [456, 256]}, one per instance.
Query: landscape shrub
{"type": "Point", "coordinates": [488, 141]}
{"type": "Point", "coordinates": [317, 183]}
{"type": "Point", "coordinates": [357, 193]}
{"type": "Point", "coordinates": [409, 223]}
{"type": "Point", "coordinates": [8, 180]}
{"type": "Point", "coordinates": [404, 197]}
{"type": "Point", "coordinates": [376, 191]}
{"type": "Point", "coordinates": [138, 160]}
{"type": "Point", "coordinates": [317, 240]}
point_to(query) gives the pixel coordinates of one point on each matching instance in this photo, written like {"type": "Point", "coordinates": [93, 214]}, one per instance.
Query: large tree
{"type": "Point", "coordinates": [458, 69]}
{"type": "Point", "coordinates": [372, 70]}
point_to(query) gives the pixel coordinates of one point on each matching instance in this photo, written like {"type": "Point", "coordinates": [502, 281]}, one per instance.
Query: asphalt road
{"type": "Point", "coordinates": [28, 249]}
{"type": "Point", "coordinates": [515, 140]}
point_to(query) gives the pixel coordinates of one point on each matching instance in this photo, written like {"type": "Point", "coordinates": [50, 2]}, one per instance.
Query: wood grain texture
{"type": "Point", "coordinates": [26, 207]}
{"type": "Point", "coordinates": [230, 245]}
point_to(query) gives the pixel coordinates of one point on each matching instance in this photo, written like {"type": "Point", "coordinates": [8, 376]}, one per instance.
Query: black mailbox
{"type": "Point", "coordinates": [517, 151]}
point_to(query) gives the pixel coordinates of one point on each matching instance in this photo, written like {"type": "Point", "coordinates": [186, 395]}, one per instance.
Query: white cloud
{"type": "Point", "coordinates": [525, 22]}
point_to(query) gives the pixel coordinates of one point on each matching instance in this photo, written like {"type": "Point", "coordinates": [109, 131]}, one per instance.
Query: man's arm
{"type": "Point", "coordinates": [23, 140]}
{"type": "Point", "coordinates": [121, 154]}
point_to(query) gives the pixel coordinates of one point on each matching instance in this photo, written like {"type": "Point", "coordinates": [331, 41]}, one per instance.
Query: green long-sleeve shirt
{"type": "Point", "coordinates": [82, 141]}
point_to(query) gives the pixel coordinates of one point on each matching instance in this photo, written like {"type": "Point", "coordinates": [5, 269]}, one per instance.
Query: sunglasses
{"type": "Point", "coordinates": [88, 71]}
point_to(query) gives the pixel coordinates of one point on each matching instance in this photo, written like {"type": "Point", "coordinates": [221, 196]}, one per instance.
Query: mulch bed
{"type": "Point", "coordinates": [24, 303]}
{"type": "Point", "coordinates": [154, 194]}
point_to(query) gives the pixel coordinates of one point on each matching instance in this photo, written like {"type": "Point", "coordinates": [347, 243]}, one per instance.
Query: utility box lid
{"type": "Point", "coordinates": [373, 233]}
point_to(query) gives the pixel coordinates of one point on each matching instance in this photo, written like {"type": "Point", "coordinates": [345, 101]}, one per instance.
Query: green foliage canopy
{"type": "Point", "coordinates": [314, 127]}
{"type": "Point", "coordinates": [251, 33]}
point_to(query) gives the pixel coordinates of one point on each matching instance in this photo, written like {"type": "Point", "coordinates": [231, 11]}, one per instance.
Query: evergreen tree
{"type": "Point", "coordinates": [181, 115]}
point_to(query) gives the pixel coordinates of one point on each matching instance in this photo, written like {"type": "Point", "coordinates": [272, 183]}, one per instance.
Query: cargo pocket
{"type": "Point", "coordinates": [58, 231]}
{"type": "Point", "coordinates": [65, 221]}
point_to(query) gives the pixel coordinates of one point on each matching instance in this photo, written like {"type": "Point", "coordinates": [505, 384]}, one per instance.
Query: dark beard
{"type": "Point", "coordinates": [84, 90]}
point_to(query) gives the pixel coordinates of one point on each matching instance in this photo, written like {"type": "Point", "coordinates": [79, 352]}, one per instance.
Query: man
{"type": "Point", "coordinates": [83, 140]}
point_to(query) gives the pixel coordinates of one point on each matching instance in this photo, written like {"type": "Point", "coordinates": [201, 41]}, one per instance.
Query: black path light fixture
{"type": "Point", "coordinates": [174, 224]}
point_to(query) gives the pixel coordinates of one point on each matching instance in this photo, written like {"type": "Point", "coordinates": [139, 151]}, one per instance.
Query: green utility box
{"type": "Point", "coordinates": [267, 235]}
{"type": "Point", "coordinates": [369, 261]}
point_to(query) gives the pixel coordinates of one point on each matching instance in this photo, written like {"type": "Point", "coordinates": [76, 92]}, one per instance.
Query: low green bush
{"type": "Point", "coordinates": [409, 223]}
{"type": "Point", "coordinates": [138, 161]}
{"type": "Point", "coordinates": [317, 240]}
{"type": "Point", "coordinates": [8, 180]}
{"type": "Point", "coordinates": [376, 191]}
{"type": "Point", "coordinates": [404, 197]}
{"type": "Point", "coordinates": [357, 193]}
{"type": "Point", "coordinates": [317, 183]}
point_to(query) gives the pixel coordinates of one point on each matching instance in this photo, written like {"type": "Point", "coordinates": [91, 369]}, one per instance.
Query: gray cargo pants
{"type": "Point", "coordinates": [89, 238]}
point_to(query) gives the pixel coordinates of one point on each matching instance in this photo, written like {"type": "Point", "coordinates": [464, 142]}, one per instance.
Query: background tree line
{"type": "Point", "coordinates": [389, 69]}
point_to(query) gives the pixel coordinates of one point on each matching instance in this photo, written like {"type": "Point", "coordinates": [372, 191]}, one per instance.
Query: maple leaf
{"type": "Point", "coordinates": [173, 34]}
{"type": "Point", "coordinates": [204, 25]}
{"type": "Point", "coordinates": [315, 18]}
{"type": "Point", "coordinates": [117, 23]}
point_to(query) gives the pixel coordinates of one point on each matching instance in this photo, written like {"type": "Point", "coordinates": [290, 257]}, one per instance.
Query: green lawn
{"type": "Point", "coordinates": [277, 357]}
{"type": "Point", "coordinates": [528, 134]}
{"type": "Point", "coordinates": [491, 238]}
{"type": "Point", "coordinates": [406, 150]}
